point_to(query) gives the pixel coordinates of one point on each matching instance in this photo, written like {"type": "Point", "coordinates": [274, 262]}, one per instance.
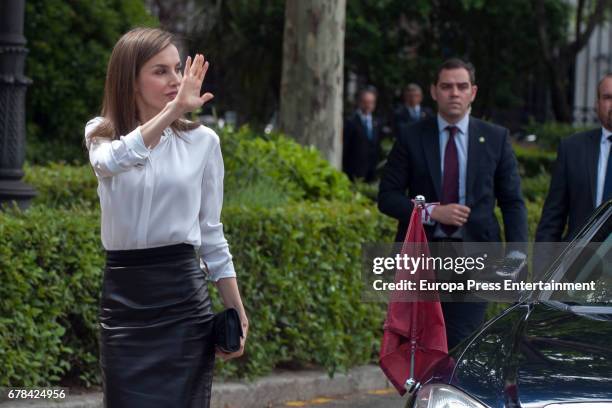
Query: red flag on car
{"type": "Point", "coordinates": [414, 333]}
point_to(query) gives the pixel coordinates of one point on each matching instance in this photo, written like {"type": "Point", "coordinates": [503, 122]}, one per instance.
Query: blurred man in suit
{"type": "Point", "coordinates": [361, 145]}
{"type": "Point", "coordinates": [465, 164]}
{"type": "Point", "coordinates": [582, 178]}
{"type": "Point", "coordinates": [411, 110]}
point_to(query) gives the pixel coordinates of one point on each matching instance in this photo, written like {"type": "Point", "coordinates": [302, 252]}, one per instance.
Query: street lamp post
{"type": "Point", "coordinates": [13, 85]}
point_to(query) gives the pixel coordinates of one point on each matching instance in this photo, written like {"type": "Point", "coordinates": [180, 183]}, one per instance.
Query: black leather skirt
{"type": "Point", "coordinates": [156, 344]}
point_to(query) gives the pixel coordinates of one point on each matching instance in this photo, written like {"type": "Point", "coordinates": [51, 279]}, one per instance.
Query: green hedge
{"type": "Point", "coordinates": [299, 273]}
{"type": "Point", "coordinates": [533, 161]}
{"type": "Point", "coordinates": [550, 133]}
{"type": "Point", "coordinates": [535, 188]}
{"type": "Point", "coordinates": [276, 160]}
{"type": "Point", "coordinates": [61, 185]}
{"type": "Point", "coordinates": [49, 269]}
{"type": "Point", "coordinates": [299, 270]}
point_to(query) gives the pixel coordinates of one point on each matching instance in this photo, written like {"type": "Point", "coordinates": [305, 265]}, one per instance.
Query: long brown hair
{"type": "Point", "coordinates": [130, 53]}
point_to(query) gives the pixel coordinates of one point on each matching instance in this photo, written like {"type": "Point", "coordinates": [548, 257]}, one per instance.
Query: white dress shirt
{"type": "Point", "coordinates": [170, 194]}
{"type": "Point", "coordinates": [602, 164]}
{"type": "Point", "coordinates": [366, 119]}
{"type": "Point", "coordinates": [415, 111]}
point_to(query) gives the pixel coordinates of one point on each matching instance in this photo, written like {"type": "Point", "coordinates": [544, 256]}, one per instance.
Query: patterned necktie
{"type": "Point", "coordinates": [450, 181]}
{"type": "Point", "coordinates": [607, 190]}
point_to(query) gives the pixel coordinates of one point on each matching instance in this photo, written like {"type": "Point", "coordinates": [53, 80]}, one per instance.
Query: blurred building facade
{"type": "Point", "coordinates": [594, 61]}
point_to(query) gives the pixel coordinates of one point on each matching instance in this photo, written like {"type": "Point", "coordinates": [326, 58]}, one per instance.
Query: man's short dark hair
{"type": "Point", "coordinates": [603, 78]}
{"type": "Point", "coordinates": [368, 89]}
{"type": "Point", "coordinates": [456, 63]}
{"type": "Point", "coordinates": [412, 87]}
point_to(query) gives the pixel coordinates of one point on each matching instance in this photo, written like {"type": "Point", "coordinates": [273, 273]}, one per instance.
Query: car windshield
{"type": "Point", "coordinates": [592, 264]}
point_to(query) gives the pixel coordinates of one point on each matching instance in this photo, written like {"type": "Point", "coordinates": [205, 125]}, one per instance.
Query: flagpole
{"type": "Point", "coordinates": [412, 385]}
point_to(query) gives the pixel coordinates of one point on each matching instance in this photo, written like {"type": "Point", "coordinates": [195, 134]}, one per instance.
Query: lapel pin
{"type": "Point", "coordinates": [481, 139]}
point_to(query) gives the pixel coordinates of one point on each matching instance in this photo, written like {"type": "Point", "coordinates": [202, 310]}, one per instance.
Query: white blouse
{"type": "Point", "coordinates": [170, 194]}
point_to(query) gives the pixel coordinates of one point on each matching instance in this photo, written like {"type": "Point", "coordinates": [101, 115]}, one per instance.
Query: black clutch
{"type": "Point", "coordinates": [228, 330]}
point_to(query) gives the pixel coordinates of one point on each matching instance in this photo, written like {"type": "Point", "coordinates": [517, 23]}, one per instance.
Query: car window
{"type": "Point", "coordinates": [593, 264]}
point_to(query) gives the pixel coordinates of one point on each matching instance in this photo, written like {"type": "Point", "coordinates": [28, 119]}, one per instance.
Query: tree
{"type": "Point", "coordinates": [69, 44]}
{"type": "Point", "coordinates": [559, 59]}
{"type": "Point", "coordinates": [401, 42]}
{"type": "Point", "coordinates": [243, 41]}
{"type": "Point", "coordinates": [312, 75]}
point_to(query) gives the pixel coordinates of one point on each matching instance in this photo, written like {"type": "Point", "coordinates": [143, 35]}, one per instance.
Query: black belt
{"type": "Point", "coordinates": [148, 256]}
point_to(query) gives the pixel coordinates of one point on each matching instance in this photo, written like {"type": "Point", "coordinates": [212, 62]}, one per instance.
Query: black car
{"type": "Point", "coordinates": [550, 350]}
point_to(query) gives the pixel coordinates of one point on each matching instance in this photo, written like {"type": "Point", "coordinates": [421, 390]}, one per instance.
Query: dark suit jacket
{"type": "Point", "coordinates": [359, 154]}
{"type": "Point", "coordinates": [571, 197]}
{"type": "Point", "coordinates": [402, 118]}
{"type": "Point", "coordinates": [413, 168]}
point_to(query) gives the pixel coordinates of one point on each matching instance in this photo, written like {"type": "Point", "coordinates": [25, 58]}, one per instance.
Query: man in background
{"type": "Point", "coordinates": [361, 143]}
{"type": "Point", "coordinates": [582, 178]}
{"type": "Point", "coordinates": [411, 110]}
{"type": "Point", "coordinates": [465, 164]}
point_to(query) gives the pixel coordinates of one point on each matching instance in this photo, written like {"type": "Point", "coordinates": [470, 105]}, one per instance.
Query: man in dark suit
{"type": "Point", "coordinates": [411, 111]}
{"type": "Point", "coordinates": [466, 165]}
{"type": "Point", "coordinates": [361, 145]}
{"type": "Point", "coordinates": [582, 178]}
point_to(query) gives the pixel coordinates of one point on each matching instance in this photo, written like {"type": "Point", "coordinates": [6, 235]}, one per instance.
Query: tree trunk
{"type": "Point", "coordinates": [312, 75]}
{"type": "Point", "coordinates": [559, 85]}
{"type": "Point", "coordinates": [558, 61]}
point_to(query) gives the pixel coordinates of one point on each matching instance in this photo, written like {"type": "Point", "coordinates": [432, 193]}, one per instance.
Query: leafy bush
{"type": "Point", "coordinates": [299, 268]}
{"type": "Point", "coordinates": [550, 133]}
{"type": "Point", "coordinates": [61, 185]}
{"type": "Point", "coordinates": [277, 160]}
{"type": "Point", "coordinates": [299, 273]}
{"type": "Point", "coordinates": [69, 43]}
{"type": "Point", "coordinates": [368, 190]}
{"type": "Point", "coordinates": [533, 162]}
{"type": "Point", "coordinates": [536, 188]}
{"type": "Point", "coordinates": [50, 273]}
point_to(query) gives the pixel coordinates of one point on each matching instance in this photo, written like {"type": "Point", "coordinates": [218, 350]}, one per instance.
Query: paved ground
{"type": "Point", "coordinates": [384, 398]}
{"type": "Point", "coordinates": [360, 387]}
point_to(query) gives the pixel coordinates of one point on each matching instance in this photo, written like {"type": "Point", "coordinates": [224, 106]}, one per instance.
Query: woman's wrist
{"type": "Point", "coordinates": [174, 110]}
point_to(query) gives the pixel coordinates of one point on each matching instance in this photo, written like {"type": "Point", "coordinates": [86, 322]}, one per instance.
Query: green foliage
{"type": "Point", "coordinates": [534, 211]}
{"type": "Point", "coordinates": [533, 162]}
{"type": "Point", "coordinates": [536, 188]}
{"type": "Point", "coordinates": [549, 134]}
{"type": "Point", "coordinates": [388, 43]}
{"type": "Point", "coordinates": [258, 194]}
{"type": "Point", "coordinates": [275, 160]}
{"type": "Point", "coordinates": [61, 185]}
{"type": "Point", "coordinates": [244, 40]}
{"type": "Point", "coordinates": [392, 42]}
{"type": "Point", "coordinates": [69, 44]}
{"type": "Point", "coordinates": [49, 269]}
{"type": "Point", "coordinates": [368, 190]}
{"type": "Point", "coordinates": [299, 269]}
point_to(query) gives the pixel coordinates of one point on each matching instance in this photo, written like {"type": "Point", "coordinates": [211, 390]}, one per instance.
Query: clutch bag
{"type": "Point", "coordinates": [227, 330]}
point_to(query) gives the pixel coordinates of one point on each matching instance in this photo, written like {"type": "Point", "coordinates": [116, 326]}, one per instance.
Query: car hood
{"type": "Point", "coordinates": [536, 354]}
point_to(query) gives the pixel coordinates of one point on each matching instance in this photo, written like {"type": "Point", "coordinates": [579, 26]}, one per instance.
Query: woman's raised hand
{"type": "Point", "coordinates": [188, 98]}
